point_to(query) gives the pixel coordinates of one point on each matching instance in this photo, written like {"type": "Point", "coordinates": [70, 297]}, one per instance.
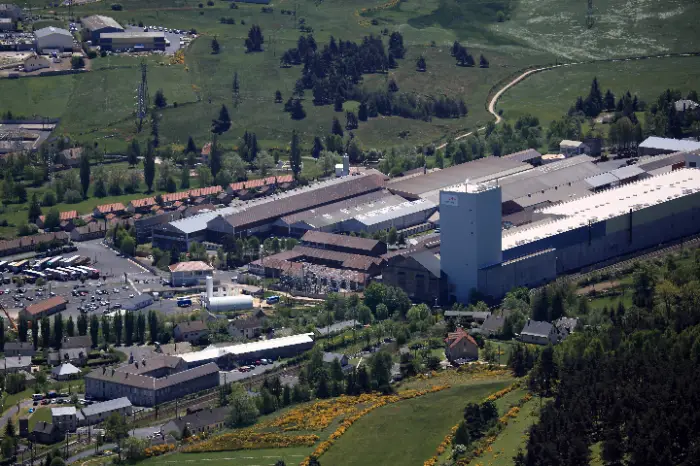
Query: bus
{"type": "Point", "coordinates": [20, 265]}
{"type": "Point", "coordinates": [82, 260]}
{"type": "Point", "coordinates": [41, 263]}
{"type": "Point", "coordinates": [54, 261]}
{"type": "Point", "coordinates": [70, 261]}
{"type": "Point", "coordinates": [33, 275]}
{"type": "Point", "coordinates": [71, 274]}
{"type": "Point", "coordinates": [56, 274]}
{"type": "Point", "coordinates": [81, 273]}
{"type": "Point", "coordinates": [91, 273]}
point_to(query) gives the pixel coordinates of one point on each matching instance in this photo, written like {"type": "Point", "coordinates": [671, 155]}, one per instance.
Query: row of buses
{"type": "Point", "coordinates": [52, 268]}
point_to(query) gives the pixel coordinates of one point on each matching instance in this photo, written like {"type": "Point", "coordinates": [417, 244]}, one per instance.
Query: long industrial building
{"type": "Point", "coordinates": [136, 41]}
{"type": "Point", "coordinates": [476, 255]}
{"type": "Point", "coordinates": [260, 216]}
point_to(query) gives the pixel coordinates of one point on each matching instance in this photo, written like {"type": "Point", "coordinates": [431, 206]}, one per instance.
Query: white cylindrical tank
{"type": "Point", "coordinates": [239, 302]}
{"type": "Point", "coordinates": [210, 287]}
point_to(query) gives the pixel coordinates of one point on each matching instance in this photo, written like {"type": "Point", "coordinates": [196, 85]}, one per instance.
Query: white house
{"type": "Point", "coordinates": [36, 62]}
{"type": "Point", "coordinates": [570, 148]}
{"type": "Point", "coordinates": [51, 38]}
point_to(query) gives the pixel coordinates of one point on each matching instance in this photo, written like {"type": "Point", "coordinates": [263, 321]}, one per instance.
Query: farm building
{"type": "Point", "coordinates": [96, 25]}
{"type": "Point", "coordinates": [136, 41]}
{"type": "Point", "coordinates": [570, 148]}
{"type": "Point", "coordinates": [654, 145]}
{"type": "Point", "coordinates": [52, 38]}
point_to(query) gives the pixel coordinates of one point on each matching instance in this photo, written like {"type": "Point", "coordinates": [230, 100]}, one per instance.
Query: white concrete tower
{"type": "Point", "coordinates": [470, 235]}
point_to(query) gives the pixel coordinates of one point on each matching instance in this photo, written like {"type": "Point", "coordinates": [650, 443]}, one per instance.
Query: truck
{"type": "Point", "coordinates": [184, 302]}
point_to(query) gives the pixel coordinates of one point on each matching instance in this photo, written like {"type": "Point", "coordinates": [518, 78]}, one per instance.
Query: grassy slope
{"type": "Point", "coordinates": [549, 94]}
{"type": "Point", "coordinates": [234, 458]}
{"type": "Point", "coordinates": [408, 432]}
{"type": "Point", "coordinates": [41, 414]}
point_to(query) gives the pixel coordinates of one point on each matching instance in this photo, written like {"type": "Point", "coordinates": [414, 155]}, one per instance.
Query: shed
{"type": "Point", "coordinates": [54, 38]}
{"type": "Point", "coordinates": [65, 371]}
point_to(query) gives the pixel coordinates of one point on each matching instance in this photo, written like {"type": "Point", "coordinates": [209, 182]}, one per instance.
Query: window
{"type": "Point", "coordinates": [692, 164]}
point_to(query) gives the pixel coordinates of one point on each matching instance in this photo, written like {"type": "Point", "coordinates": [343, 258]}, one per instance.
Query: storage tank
{"type": "Point", "coordinates": [230, 303]}
{"type": "Point", "coordinates": [210, 287]}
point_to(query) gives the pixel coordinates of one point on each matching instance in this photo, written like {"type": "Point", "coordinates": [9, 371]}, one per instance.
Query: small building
{"type": "Point", "coordinates": [205, 420]}
{"type": "Point", "coordinates": [685, 105]}
{"type": "Point", "coordinates": [19, 348]}
{"type": "Point", "coordinates": [13, 364]}
{"type": "Point", "coordinates": [65, 371]}
{"type": "Point", "coordinates": [134, 41]}
{"type": "Point", "coordinates": [11, 11]}
{"type": "Point", "coordinates": [570, 148]}
{"type": "Point", "coordinates": [46, 433]}
{"type": "Point", "coordinates": [459, 345]}
{"type": "Point", "coordinates": [6, 24]}
{"type": "Point", "coordinates": [90, 231]}
{"type": "Point", "coordinates": [329, 358]}
{"type": "Point", "coordinates": [75, 356]}
{"type": "Point", "coordinates": [94, 414]}
{"type": "Point", "coordinates": [24, 427]}
{"type": "Point", "coordinates": [137, 302]}
{"type": "Point", "coordinates": [45, 308]}
{"type": "Point", "coordinates": [539, 333]}
{"type": "Point", "coordinates": [116, 208]}
{"type": "Point", "coordinates": [249, 327]}
{"type": "Point", "coordinates": [192, 331]}
{"type": "Point", "coordinates": [655, 145]}
{"type": "Point", "coordinates": [142, 206]}
{"type": "Point", "coordinates": [71, 157]}
{"type": "Point", "coordinates": [417, 274]}
{"type": "Point", "coordinates": [65, 418]}
{"type": "Point", "coordinates": [189, 273]}
{"type": "Point", "coordinates": [471, 316]}
{"type": "Point", "coordinates": [98, 24]}
{"type": "Point", "coordinates": [493, 325]}
{"type": "Point", "coordinates": [36, 62]}
{"type": "Point", "coordinates": [80, 341]}
{"type": "Point", "coordinates": [54, 39]}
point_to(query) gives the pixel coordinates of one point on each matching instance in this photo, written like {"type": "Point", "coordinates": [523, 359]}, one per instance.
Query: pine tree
{"type": "Point", "coordinates": [22, 328]}
{"type": "Point", "coordinates": [236, 90]}
{"type": "Point", "coordinates": [191, 147]}
{"type": "Point", "coordinates": [149, 168]}
{"type": "Point", "coordinates": [336, 128]}
{"type": "Point", "coordinates": [362, 112]}
{"type": "Point", "coordinates": [70, 327]}
{"type": "Point", "coordinates": [160, 101]}
{"type": "Point", "coordinates": [278, 97]}
{"type": "Point", "coordinates": [215, 156]}
{"type": "Point", "coordinates": [133, 152]}
{"type": "Point", "coordinates": [223, 123]}
{"type": "Point", "coordinates": [295, 155]}
{"type": "Point", "coordinates": [45, 332]}
{"type": "Point", "coordinates": [94, 330]}
{"type": "Point", "coordinates": [85, 172]}
{"type": "Point", "coordinates": [82, 325]}
{"type": "Point", "coordinates": [297, 112]}
{"type": "Point", "coordinates": [118, 327]}
{"type": "Point", "coordinates": [483, 62]}
{"type": "Point", "coordinates": [34, 210]}
{"type": "Point", "coordinates": [141, 328]}
{"type": "Point", "coordinates": [57, 333]}
{"type": "Point", "coordinates": [420, 64]}
{"type": "Point", "coordinates": [317, 148]}
{"type": "Point", "coordinates": [215, 47]}
{"type": "Point", "coordinates": [185, 177]}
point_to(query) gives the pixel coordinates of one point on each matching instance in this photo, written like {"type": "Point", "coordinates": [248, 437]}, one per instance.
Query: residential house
{"type": "Point", "coordinates": [571, 148]}
{"type": "Point", "coordinates": [142, 206]}
{"type": "Point", "coordinates": [65, 418]}
{"type": "Point", "coordinates": [192, 331]}
{"type": "Point", "coordinates": [329, 358]}
{"type": "Point", "coordinates": [36, 62]}
{"type": "Point", "coordinates": [189, 273]}
{"type": "Point", "coordinates": [71, 157]}
{"type": "Point", "coordinates": [75, 356]}
{"type": "Point", "coordinates": [31, 243]}
{"type": "Point", "coordinates": [18, 348]}
{"type": "Point", "coordinates": [205, 420]}
{"type": "Point", "coordinates": [459, 345]}
{"type": "Point", "coordinates": [249, 327]}
{"type": "Point", "coordinates": [116, 208]}
{"type": "Point", "coordinates": [90, 231]}
{"type": "Point", "coordinates": [493, 325]}
{"type": "Point", "coordinates": [46, 433]}
{"type": "Point", "coordinates": [65, 371]}
{"type": "Point", "coordinates": [67, 217]}
{"type": "Point", "coordinates": [539, 333]}
{"type": "Point", "coordinates": [94, 414]}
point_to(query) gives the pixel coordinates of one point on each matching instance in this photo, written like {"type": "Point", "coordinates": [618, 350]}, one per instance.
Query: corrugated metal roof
{"type": "Point", "coordinates": [395, 212]}
{"type": "Point", "coordinates": [107, 406]}
{"type": "Point", "coordinates": [211, 353]}
{"type": "Point", "coordinates": [345, 241]}
{"type": "Point", "coordinates": [676, 145]}
{"type": "Point", "coordinates": [343, 210]}
{"type": "Point", "coordinates": [627, 172]}
{"type": "Point", "coordinates": [603, 179]}
{"type": "Point", "coordinates": [523, 155]}
{"type": "Point", "coordinates": [52, 30]}
{"type": "Point", "coordinates": [96, 22]}
{"type": "Point", "coordinates": [482, 169]}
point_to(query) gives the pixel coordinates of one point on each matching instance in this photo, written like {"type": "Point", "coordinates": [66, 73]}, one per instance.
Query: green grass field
{"type": "Point", "coordinates": [99, 105]}
{"type": "Point", "coordinates": [511, 438]}
{"type": "Point", "coordinates": [41, 414]}
{"type": "Point", "coordinates": [290, 456]}
{"type": "Point", "coordinates": [549, 94]}
{"type": "Point", "coordinates": [406, 433]}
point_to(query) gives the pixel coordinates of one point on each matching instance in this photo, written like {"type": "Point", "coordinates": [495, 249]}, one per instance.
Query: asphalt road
{"type": "Point", "coordinates": [90, 452]}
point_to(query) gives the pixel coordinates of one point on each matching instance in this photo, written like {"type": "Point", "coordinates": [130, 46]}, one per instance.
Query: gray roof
{"type": "Point", "coordinates": [43, 427]}
{"type": "Point", "coordinates": [476, 315]}
{"type": "Point", "coordinates": [493, 324]}
{"type": "Point", "coordinates": [338, 326]}
{"type": "Point", "coordinates": [96, 22]}
{"type": "Point", "coordinates": [151, 383]}
{"type": "Point", "coordinates": [132, 35]}
{"type": "Point", "coordinates": [429, 260]}
{"type": "Point", "coordinates": [202, 418]}
{"type": "Point", "coordinates": [344, 210]}
{"type": "Point", "coordinates": [81, 341]}
{"type": "Point", "coordinates": [73, 353]}
{"type": "Point", "coordinates": [15, 362]}
{"type": "Point", "coordinates": [330, 357]}
{"type": "Point", "coordinates": [603, 179]}
{"type": "Point", "coordinates": [192, 326]}
{"type": "Point", "coordinates": [107, 406]}
{"type": "Point", "coordinates": [676, 145]}
{"type": "Point", "coordinates": [627, 172]}
{"type": "Point", "coordinates": [553, 195]}
{"type": "Point", "coordinates": [395, 212]}
{"type": "Point", "coordinates": [136, 301]}
{"type": "Point", "coordinates": [523, 155]}
{"type": "Point", "coordinates": [43, 32]}
{"type": "Point", "coordinates": [537, 328]}
{"type": "Point", "coordinates": [18, 345]}
{"type": "Point", "coordinates": [63, 411]}
{"type": "Point", "coordinates": [65, 369]}
{"type": "Point", "coordinates": [661, 161]}
{"type": "Point", "coordinates": [481, 169]}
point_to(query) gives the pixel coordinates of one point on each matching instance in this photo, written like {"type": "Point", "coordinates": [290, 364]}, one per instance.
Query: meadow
{"type": "Point", "coordinates": [98, 105]}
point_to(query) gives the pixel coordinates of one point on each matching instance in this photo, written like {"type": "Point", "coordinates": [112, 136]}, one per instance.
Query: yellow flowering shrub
{"type": "Point", "coordinates": [250, 440]}
{"type": "Point", "coordinates": [158, 450]}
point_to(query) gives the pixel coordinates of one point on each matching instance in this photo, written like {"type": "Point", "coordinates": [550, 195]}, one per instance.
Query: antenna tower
{"type": "Point", "coordinates": [142, 98]}
{"type": "Point", "coordinates": [590, 20]}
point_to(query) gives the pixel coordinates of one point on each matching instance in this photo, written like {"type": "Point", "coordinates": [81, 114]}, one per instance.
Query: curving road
{"type": "Point", "coordinates": [494, 100]}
